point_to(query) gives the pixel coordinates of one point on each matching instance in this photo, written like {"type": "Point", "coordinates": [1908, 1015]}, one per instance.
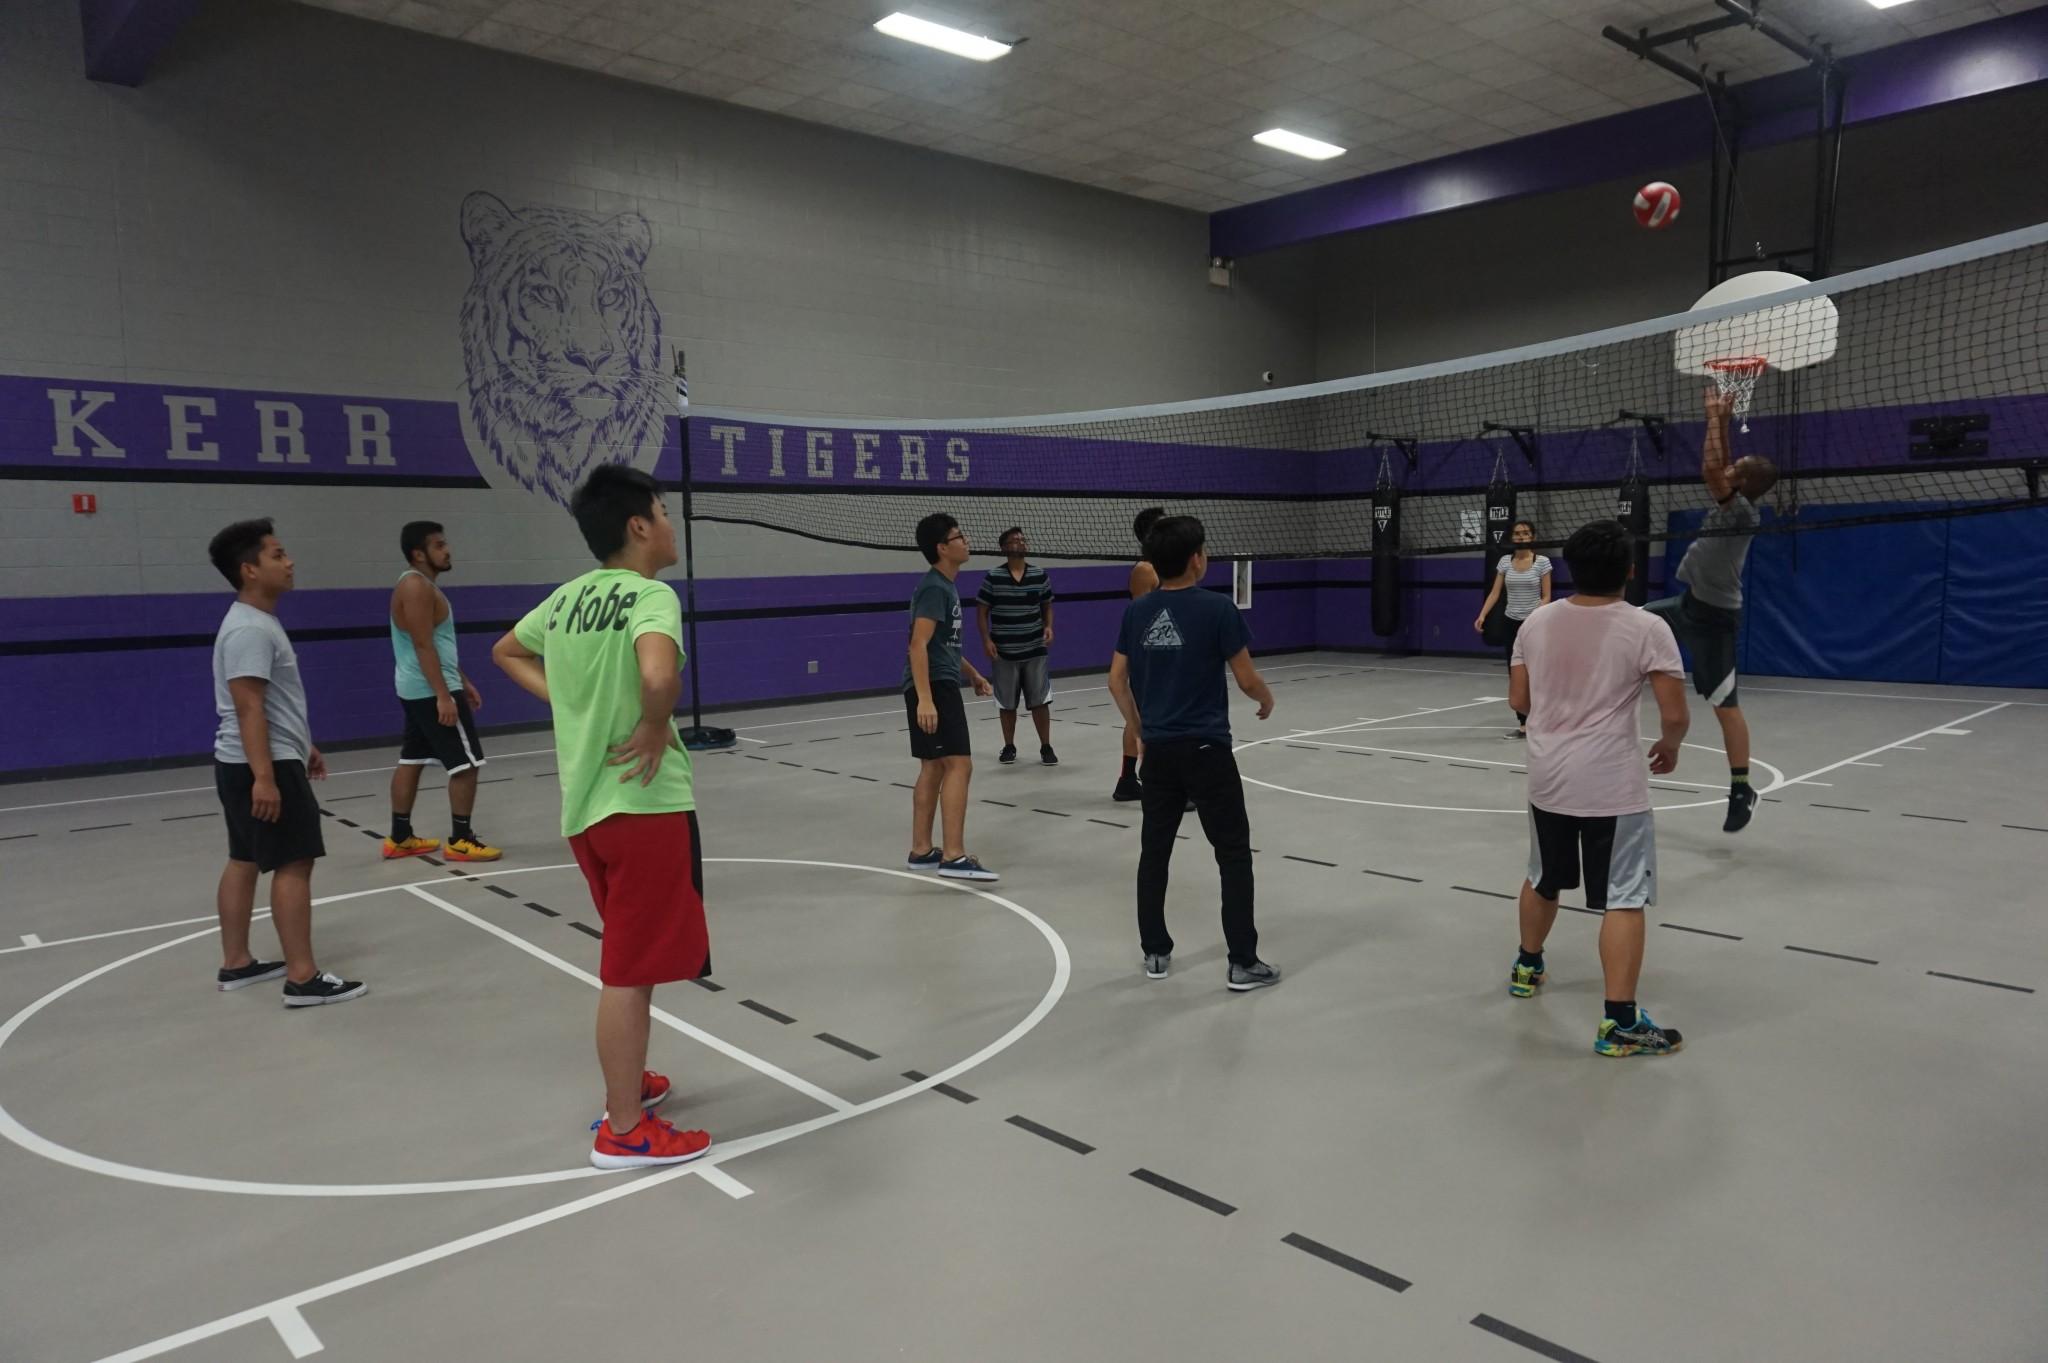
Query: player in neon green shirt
{"type": "Point", "coordinates": [605, 652]}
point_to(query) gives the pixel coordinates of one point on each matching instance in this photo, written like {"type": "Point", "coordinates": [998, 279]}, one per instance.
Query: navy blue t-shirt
{"type": "Point", "coordinates": [1177, 645]}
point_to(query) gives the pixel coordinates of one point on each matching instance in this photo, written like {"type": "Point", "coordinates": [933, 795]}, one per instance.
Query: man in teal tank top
{"type": "Point", "coordinates": [439, 701]}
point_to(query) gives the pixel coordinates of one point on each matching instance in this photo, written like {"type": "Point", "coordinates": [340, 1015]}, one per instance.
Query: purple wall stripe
{"type": "Point", "coordinates": [1999, 54]}
{"type": "Point", "coordinates": [123, 38]}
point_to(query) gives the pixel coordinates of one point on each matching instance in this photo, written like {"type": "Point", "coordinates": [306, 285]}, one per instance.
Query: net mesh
{"type": "Point", "coordinates": [1927, 396]}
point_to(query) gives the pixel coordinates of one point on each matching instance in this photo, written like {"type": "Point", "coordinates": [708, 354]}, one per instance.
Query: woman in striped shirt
{"type": "Point", "coordinates": [1525, 575]}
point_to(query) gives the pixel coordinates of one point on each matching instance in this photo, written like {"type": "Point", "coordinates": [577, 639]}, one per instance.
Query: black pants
{"type": "Point", "coordinates": [1513, 627]}
{"type": "Point", "coordinates": [1203, 770]}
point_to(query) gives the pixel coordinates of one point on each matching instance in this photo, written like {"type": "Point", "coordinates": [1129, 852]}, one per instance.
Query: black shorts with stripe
{"type": "Point", "coordinates": [427, 739]}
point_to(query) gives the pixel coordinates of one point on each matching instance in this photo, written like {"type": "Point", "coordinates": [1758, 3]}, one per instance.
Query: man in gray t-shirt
{"type": "Point", "coordinates": [264, 764]}
{"type": "Point", "coordinates": [1707, 617]}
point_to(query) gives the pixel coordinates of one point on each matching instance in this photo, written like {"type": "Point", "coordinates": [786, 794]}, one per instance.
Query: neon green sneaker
{"type": "Point", "coordinates": [1645, 1038]}
{"type": "Point", "coordinates": [1525, 980]}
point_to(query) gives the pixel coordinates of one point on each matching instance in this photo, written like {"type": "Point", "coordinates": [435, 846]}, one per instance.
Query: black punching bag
{"type": "Point", "coordinates": [1386, 554]}
{"type": "Point", "coordinates": [1499, 523]}
{"type": "Point", "coordinates": [1632, 509]}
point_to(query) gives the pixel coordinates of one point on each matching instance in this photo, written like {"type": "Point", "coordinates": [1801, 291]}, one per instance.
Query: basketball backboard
{"type": "Point", "coordinates": [1789, 335]}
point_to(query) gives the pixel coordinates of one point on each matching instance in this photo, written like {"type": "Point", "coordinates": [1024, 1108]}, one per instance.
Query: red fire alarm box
{"type": "Point", "coordinates": [84, 503]}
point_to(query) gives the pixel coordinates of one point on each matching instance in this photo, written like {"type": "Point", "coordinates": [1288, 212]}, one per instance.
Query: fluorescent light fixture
{"type": "Point", "coordinates": [1282, 140]}
{"type": "Point", "coordinates": [970, 45]}
{"type": "Point", "coordinates": [1885, 4]}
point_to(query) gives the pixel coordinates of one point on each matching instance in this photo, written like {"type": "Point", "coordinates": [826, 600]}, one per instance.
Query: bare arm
{"type": "Point", "coordinates": [248, 692]}
{"type": "Point", "coordinates": [412, 606]}
{"type": "Point", "coordinates": [1546, 590]}
{"type": "Point", "coordinates": [661, 685]}
{"type": "Point", "coordinates": [1518, 688]}
{"type": "Point", "coordinates": [1144, 577]}
{"type": "Point", "coordinates": [1676, 718]}
{"type": "Point", "coordinates": [1714, 448]}
{"type": "Point", "coordinates": [1492, 595]}
{"type": "Point", "coordinates": [1048, 624]}
{"type": "Point", "coordinates": [988, 638]}
{"type": "Point", "coordinates": [1120, 689]}
{"type": "Point", "coordinates": [526, 668]}
{"type": "Point", "coordinates": [1250, 682]}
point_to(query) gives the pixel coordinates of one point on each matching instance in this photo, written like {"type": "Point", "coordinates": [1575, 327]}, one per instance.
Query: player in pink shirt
{"type": "Point", "coordinates": [1585, 660]}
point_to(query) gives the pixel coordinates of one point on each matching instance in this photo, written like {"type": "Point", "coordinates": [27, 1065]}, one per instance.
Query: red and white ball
{"type": "Point", "coordinates": [1656, 205]}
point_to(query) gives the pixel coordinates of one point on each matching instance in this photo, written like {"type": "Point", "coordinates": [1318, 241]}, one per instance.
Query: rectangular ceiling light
{"type": "Point", "coordinates": [1282, 140]}
{"type": "Point", "coordinates": [961, 44]}
{"type": "Point", "coordinates": [1885, 4]}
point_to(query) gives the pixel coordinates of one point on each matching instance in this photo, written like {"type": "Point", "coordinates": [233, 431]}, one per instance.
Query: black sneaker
{"type": "Point", "coordinates": [1741, 804]}
{"type": "Point", "coordinates": [326, 988]}
{"type": "Point", "coordinates": [256, 972]}
{"type": "Point", "coordinates": [926, 861]}
{"type": "Point", "coordinates": [966, 868]}
{"type": "Point", "coordinates": [1047, 757]}
{"type": "Point", "coordinates": [1008, 754]}
{"type": "Point", "coordinates": [1128, 789]}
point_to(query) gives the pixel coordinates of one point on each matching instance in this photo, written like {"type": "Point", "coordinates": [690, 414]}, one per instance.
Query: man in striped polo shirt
{"type": "Point", "coordinates": [1016, 631]}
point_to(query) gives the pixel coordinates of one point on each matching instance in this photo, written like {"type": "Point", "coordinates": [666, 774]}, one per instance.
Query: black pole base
{"type": "Point", "coordinates": [701, 737]}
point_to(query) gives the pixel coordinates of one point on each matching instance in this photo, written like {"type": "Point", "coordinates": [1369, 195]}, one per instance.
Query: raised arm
{"type": "Point", "coordinates": [1714, 447]}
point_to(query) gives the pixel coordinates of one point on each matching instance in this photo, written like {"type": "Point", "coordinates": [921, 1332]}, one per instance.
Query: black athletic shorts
{"type": "Point", "coordinates": [1709, 634]}
{"type": "Point", "coordinates": [296, 834]}
{"type": "Point", "coordinates": [951, 738]}
{"type": "Point", "coordinates": [427, 739]}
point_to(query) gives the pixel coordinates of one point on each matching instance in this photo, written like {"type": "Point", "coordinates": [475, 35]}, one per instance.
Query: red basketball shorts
{"type": "Point", "coordinates": [646, 875]}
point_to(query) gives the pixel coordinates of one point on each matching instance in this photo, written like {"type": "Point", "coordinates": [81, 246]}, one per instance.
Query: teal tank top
{"type": "Point", "coordinates": [411, 682]}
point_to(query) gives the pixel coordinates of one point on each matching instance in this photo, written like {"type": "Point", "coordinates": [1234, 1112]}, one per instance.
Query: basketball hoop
{"type": "Point", "coordinates": [1735, 376]}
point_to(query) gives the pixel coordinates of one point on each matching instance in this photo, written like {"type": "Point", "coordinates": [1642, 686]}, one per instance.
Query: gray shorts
{"type": "Point", "coordinates": [1025, 681]}
{"type": "Point", "coordinates": [1711, 634]}
{"type": "Point", "coordinates": [1617, 853]}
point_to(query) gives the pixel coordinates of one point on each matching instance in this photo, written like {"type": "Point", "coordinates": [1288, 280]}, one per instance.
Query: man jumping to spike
{"type": "Point", "coordinates": [1707, 616]}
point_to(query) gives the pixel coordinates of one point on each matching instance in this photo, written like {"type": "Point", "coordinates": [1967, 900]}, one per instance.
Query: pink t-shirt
{"type": "Point", "coordinates": [1587, 666]}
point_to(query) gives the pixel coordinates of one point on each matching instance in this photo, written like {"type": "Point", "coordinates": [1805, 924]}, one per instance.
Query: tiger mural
{"type": "Point", "coordinates": [562, 343]}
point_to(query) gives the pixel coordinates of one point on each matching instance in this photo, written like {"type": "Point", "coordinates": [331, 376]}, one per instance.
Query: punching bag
{"type": "Point", "coordinates": [1632, 509]}
{"type": "Point", "coordinates": [1499, 522]}
{"type": "Point", "coordinates": [1386, 554]}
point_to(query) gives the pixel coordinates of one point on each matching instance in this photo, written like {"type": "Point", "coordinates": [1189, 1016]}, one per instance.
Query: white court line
{"type": "Point", "coordinates": [1879, 695]}
{"type": "Point", "coordinates": [724, 1182]}
{"type": "Point", "coordinates": [1358, 724]}
{"type": "Point", "coordinates": [704, 1168]}
{"type": "Point", "coordinates": [263, 912]}
{"type": "Point", "coordinates": [29, 939]}
{"type": "Point", "coordinates": [1908, 747]}
{"type": "Point", "coordinates": [665, 1018]}
{"type": "Point", "coordinates": [296, 1334]}
{"type": "Point", "coordinates": [1944, 727]}
{"type": "Point", "coordinates": [1063, 690]}
{"type": "Point", "coordinates": [1490, 762]}
{"type": "Point", "coordinates": [196, 790]}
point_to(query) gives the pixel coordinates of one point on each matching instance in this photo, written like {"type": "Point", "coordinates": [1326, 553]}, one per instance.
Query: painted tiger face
{"type": "Point", "coordinates": [562, 343]}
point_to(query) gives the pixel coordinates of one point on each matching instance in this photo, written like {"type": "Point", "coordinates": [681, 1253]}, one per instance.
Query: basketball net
{"type": "Point", "coordinates": [1736, 377]}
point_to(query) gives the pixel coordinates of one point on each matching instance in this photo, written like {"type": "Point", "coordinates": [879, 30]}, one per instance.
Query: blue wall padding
{"type": "Point", "coordinates": [1995, 630]}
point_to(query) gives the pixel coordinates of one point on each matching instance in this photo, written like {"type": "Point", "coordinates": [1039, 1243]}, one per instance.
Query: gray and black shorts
{"type": "Point", "coordinates": [1022, 683]}
{"type": "Point", "coordinates": [1616, 854]}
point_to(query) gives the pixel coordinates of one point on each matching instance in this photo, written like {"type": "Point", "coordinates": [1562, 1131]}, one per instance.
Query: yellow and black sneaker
{"type": "Point", "coordinates": [411, 847]}
{"type": "Point", "coordinates": [471, 849]}
{"type": "Point", "coordinates": [1525, 980]}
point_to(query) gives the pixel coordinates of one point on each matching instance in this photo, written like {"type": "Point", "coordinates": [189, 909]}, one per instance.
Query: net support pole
{"type": "Point", "coordinates": [697, 737]}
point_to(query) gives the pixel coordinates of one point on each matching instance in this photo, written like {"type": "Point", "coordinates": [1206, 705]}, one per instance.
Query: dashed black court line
{"type": "Point", "coordinates": [849, 1047]}
{"type": "Point", "coordinates": [588, 931]}
{"type": "Point", "coordinates": [1989, 984]}
{"type": "Point", "coordinates": [1535, 1344]}
{"type": "Point", "coordinates": [1059, 1138]}
{"type": "Point", "coordinates": [1392, 1282]}
{"type": "Point", "coordinates": [1181, 1190]}
{"type": "Point", "coordinates": [957, 1095]}
{"type": "Point", "coordinates": [1703, 932]}
{"type": "Point", "coordinates": [1833, 955]}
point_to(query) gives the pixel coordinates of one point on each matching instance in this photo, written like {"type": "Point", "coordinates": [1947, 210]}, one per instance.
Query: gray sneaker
{"type": "Point", "coordinates": [1257, 975]}
{"type": "Point", "coordinates": [1156, 966]}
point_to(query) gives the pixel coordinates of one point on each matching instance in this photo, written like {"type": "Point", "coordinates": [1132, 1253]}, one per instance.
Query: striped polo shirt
{"type": "Point", "coordinates": [1016, 610]}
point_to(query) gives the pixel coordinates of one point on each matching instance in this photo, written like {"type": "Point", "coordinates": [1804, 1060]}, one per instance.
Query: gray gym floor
{"type": "Point", "coordinates": [1384, 1158]}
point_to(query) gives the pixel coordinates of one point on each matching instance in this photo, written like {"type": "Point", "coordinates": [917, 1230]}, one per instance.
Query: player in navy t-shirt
{"type": "Point", "coordinates": [1171, 654]}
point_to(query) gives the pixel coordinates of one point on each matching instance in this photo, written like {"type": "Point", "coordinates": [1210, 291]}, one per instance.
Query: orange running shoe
{"type": "Point", "coordinates": [651, 1142]}
{"type": "Point", "coordinates": [411, 847]}
{"type": "Point", "coordinates": [471, 849]}
{"type": "Point", "coordinates": [654, 1090]}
